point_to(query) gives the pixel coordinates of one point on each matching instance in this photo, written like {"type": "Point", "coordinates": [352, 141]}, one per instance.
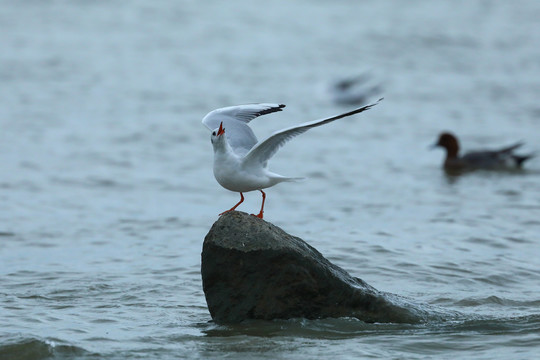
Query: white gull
{"type": "Point", "coordinates": [240, 161]}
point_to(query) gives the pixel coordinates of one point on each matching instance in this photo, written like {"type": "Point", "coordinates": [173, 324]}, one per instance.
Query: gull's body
{"type": "Point", "coordinates": [240, 161]}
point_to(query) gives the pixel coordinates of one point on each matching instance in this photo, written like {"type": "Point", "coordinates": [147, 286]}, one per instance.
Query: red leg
{"type": "Point", "coordinates": [260, 216]}
{"type": "Point", "coordinates": [235, 206]}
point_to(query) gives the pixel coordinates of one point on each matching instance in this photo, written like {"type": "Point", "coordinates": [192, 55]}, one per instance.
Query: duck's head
{"type": "Point", "coordinates": [449, 142]}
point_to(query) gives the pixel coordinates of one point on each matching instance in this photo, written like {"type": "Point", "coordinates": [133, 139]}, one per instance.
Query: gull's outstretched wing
{"type": "Point", "coordinates": [264, 150]}
{"type": "Point", "coordinates": [235, 122]}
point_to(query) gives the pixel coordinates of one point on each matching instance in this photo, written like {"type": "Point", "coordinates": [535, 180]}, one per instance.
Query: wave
{"type": "Point", "coordinates": [332, 328]}
{"type": "Point", "coordinates": [35, 349]}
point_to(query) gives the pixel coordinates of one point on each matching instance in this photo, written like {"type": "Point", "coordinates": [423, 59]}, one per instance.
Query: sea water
{"type": "Point", "coordinates": [107, 191]}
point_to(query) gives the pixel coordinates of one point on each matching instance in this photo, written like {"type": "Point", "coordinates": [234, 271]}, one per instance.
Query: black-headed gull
{"type": "Point", "coordinates": [240, 161]}
{"type": "Point", "coordinates": [500, 159]}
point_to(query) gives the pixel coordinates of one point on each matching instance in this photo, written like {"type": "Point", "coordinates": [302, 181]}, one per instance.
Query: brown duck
{"type": "Point", "coordinates": [501, 159]}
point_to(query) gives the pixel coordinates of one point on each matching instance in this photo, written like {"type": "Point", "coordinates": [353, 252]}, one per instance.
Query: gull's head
{"type": "Point", "coordinates": [217, 135]}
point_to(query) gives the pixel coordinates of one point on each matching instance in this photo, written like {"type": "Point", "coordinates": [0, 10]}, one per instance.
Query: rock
{"type": "Point", "coordinates": [252, 269]}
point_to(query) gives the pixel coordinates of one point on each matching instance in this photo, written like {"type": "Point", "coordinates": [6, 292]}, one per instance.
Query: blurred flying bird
{"type": "Point", "coordinates": [354, 90]}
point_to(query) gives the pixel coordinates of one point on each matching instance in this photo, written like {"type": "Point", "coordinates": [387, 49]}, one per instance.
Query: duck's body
{"type": "Point", "coordinates": [501, 159]}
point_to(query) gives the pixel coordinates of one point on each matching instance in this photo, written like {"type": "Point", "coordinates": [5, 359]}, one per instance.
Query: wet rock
{"type": "Point", "coordinates": [252, 269]}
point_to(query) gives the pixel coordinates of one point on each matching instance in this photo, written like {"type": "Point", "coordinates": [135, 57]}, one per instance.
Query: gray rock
{"type": "Point", "coordinates": [252, 269]}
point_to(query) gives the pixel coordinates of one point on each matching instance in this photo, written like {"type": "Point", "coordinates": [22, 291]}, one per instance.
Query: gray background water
{"type": "Point", "coordinates": [106, 185]}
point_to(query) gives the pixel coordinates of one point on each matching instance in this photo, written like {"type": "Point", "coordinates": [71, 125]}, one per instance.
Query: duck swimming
{"type": "Point", "coordinates": [501, 159]}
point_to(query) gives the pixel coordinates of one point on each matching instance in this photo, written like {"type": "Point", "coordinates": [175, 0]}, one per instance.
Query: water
{"type": "Point", "coordinates": [106, 187]}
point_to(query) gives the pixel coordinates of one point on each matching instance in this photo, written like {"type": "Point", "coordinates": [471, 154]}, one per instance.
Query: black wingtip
{"type": "Point", "coordinates": [358, 110]}
{"type": "Point", "coordinates": [271, 110]}
{"type": "Point", "coordinates": [367, 107]}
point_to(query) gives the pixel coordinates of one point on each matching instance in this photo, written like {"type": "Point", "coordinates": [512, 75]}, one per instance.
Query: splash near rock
{"type": "Point", "coordinates": [252, 269]}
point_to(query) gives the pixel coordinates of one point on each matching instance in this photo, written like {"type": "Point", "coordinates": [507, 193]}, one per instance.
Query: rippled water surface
{"type": "Point", "coordinates": [107, 192]}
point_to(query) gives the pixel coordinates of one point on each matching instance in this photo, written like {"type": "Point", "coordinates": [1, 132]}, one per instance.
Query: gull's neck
{"type": "Point", "coordinates": [222, 148]}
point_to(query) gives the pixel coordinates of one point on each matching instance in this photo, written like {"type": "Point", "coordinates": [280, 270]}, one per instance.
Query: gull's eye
{"type": "Point", "coordinates": [213, 133]}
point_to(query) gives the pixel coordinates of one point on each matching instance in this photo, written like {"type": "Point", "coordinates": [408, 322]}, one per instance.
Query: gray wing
{"type": "Point", "coordinates": [482, 159]}
{"type": "Point", "coordinates": [264, 150]}
{"type": "Point", "coordinates": [492, 158]}
{"type": "Point", "coordinates": [510, 148]}
{"type": "Point", "coordinates": [235, 121]}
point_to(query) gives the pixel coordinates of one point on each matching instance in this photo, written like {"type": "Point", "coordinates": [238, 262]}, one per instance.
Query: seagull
{"type": "Point", "coordinates": [500, 159]}
{"type": "Point", "coordinates": [240, 161]}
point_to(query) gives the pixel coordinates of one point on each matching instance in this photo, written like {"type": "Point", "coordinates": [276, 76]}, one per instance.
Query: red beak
{"type": "Point", "coordinates": [221, 130]}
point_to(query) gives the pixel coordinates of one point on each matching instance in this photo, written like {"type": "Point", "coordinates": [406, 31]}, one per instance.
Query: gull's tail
{"type": "Point", "coordinates": [276, 179]}
{"type": "Point", "coordinates": [295, 179]}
